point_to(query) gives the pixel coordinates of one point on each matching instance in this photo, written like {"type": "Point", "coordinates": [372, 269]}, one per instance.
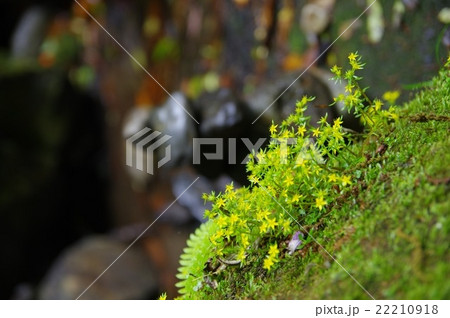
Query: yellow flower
{"type": "Point", "coordinates": [393, 115]}
{"type": "Point", "coordinates": [244, 240]}
{"type": "Point", "coordinates": [241, 255]}
{"type": "Point", "coordinates": [316, 132]}
{"type": "Point", "coordinates": [272, 223]}
{"type": "Point", "coordinates": [233, 218]}
{"type": "Point", "coordinates": [337, 122]}
{"type": "Point", "coordinates": [262, 214]}
{"type": "Point", "coordinates": [301, 130]}
{"type": "Point", "coordinates": [229, 187]}
{"type": "Point", "coordinates": [210, 214]}
{"type": "Point", "coordinates": [377, 104]}
{"type": "Point", "coordinates": [391, 96]}
{"type": "Point", "coordinates": [346, 180]}
{"type": "Point", "coordinates": [220, 202]}
{"type": "Point", "coordinates": [355, 65]}
{"type": "Point", "coordinates": [286, 134]}
{"type": "Point", "coordinates": [337, 134]}
{"type": "Point", "coordinates": [349, 88]}
{"type": "Point", "coordinates": [295, 198]}
{"type": "Point", "coordinates": [261, 157]}
{"type": "Point", "coordinates": [332, 178]}
{"type": "Point", "coordinates": [286, 226]}
{"type": "Point", "coordinates": [163, 296]}
{"type": "Point", "coordinates": [222, 221]}
{"type": "Point", "coordinates": [215, 239]}
{"type": "Point", "coordinates": [273, 250]}
{"type": "Point", "coordinates": [268, 263]}
{"type": "Point", "coordinates": [253, 179]}
{"type": "Point", "coordinates": [352, 57]}
{"type": "Point", "coordinates": [336, 70]}
{"type": "Point", "coordinates": [219, 252]}
{"type": "Point", "coordinates": [263, 227]}
{"type": "Point", "coordinates": [289, 180]}
{"type": "Point", "coordinates": [320, 202]}
{"type": "Point", "coordinates": [230, 195]}
{"type": "Point", "coordinates": [273, 129]}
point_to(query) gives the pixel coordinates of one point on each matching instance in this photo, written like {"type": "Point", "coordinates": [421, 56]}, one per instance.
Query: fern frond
{"type": "Point", "coordinates": [195, 255]}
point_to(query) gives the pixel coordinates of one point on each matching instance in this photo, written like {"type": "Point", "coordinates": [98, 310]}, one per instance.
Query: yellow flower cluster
{"type": "Point", "coordinates": [304, 177]}
{"type": "Point", "coordinates": [272, 257]}
{"type": "Point", "coordinates": [391, 96]}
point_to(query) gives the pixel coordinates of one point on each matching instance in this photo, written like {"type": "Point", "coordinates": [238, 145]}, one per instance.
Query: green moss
{"type": "Point", "coordinates": [390, 231]}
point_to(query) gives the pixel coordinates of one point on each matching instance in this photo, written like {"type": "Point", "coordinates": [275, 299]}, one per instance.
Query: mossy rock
{"type": "Point", "coordinates": [389, 237]}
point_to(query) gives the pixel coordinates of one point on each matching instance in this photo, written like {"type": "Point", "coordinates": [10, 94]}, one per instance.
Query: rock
{"type": "Point", "coordinates": [192, 198]}
{"type": "Point", "coordinates": [261, 101]}
{"type": "Point", "coordinates": [221, 113]}
{"type": "Point", "coordinates": [314, 82]}
{"type": "Point", "coordinates": [287, 94]}
{"type": "Point", "coordinates": [171, 119]}
{"type": "Point", "coordinates": [131, 277]}
{"type": "Point", "coordinates": [176, 128]}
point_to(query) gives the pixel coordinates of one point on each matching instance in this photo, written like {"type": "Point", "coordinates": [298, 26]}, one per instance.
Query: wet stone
{"type": "Point", "coordinates": [221, 113]}
{"type": "Point", "coordinates": [131, 277]}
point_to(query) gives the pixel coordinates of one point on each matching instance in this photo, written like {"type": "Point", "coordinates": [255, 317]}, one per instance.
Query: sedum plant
{"type": "Point", "coordinates": [294, 181]}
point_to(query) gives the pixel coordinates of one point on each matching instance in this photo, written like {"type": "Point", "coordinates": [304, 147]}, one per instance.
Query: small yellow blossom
{"type": "Point", "coordinates": [332, 178]}
{"type": "Point", "coordinates": [301, 130]}
{"type": "Point", "coordinates": [273, 129]}
{"type": "Point", "coordinates": [353, 57]}
{"type": "Point", "coordinates": [336, 70]}
{"type": "Point", "coordinates": [271, 223]}
{"type": "Point", "coordinates": [393, 115]}
{"type": "Point", "coordinates": [216, 237]}
{"type": "Point", "coordinates": [273, 250]}
{"type": "Point", "coordinates": [349, 88]}
{"type": "Point", "coordinates": [295, 198]}
{"type": "Point", "coordinates": [286, 224]}
{"type": "Point", "coordinates": [222, 221]}
{"type": "Point", "coordinates": [219, 252]}
{"type": "Point", "coordinates": [241, 255]}
{"type": "Point", "coordinates": [220, 202]}
{"type": "Point", "coordinates": [231, 195]}
{"type": "Point", "coordinates": [286, 134]}
{"type": "Point", "coordinates": [391, 96]}
{"type": "Point", "coordinates": [262, 214]}
{"type": "Point", "coordinates": [263, 227]}
{"type": "Point", "coordinates": [244, 240]}
{"type": "Point", "coordinates": [320, 202]}
{"type": "Point", "coordinates": [377, 104]}
{"type": "Point", "coordinates": [229, 187]}
{"type": "Point", "coordinates": [289, 180]}
{"type": "Point", "coordinates": [268, 263]}
{"type": "Point", "coordinates": [337, 122]}
{"type": "Point", "coordinates": [346, 180]}
{"type": "Point", "coordinates": [163, 296]}
{"type": "Point", "coordinates": [316, 132]}
{"type": "Point", "coordinates": [253, 179]}
{"type": "Point", "coordinates": [233, 218]}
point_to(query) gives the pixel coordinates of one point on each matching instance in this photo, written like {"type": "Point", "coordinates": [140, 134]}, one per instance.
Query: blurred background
{"type": "Point", "coordinates": [70, 96]}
